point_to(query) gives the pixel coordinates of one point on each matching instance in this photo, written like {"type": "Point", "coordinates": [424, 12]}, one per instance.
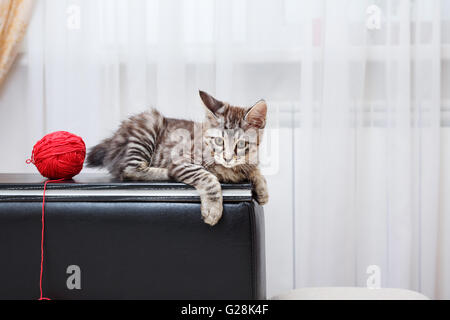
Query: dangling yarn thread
{"type": "Point", "coordinates": [58, 156]}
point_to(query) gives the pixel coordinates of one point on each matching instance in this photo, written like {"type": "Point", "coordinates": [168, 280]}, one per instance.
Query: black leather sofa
{"type": "Point", "coordinates": [129, 240]}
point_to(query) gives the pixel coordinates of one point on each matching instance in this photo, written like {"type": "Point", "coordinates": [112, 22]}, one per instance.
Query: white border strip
{"type": "Point", "coordinates": [120, 193]}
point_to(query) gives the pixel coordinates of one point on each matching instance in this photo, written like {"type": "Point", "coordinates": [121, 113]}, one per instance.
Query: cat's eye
{"type": "Point", "coordinates": [241, 144]}
{"type": "Point", "coordinates": [218, 141]}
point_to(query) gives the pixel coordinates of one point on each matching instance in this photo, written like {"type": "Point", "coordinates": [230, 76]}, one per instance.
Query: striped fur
{"type": "Point", "coordinates": [223, 148]}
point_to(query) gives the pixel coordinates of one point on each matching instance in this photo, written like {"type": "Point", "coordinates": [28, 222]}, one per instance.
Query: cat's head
{"type": "Point", "coordinates": [233, 134]}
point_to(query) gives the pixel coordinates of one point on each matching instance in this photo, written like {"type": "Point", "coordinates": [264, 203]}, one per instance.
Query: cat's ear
{"type": "Point", "coordinates": [256, 115]}
{"type": "Point", "coordinates": [215, 106]}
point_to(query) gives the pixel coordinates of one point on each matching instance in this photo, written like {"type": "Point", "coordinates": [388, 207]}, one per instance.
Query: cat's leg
{"type": "Point", "coordinates": [259, 187]}
{"type": "Point", "coordinates": [206, 184]}
{"type": "Point", "coordinates": [136, 162]}
{"type": "Point", "coordinates": [145, 173]}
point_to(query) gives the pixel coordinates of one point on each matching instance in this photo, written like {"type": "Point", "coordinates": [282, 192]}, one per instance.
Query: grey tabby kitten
{"type": "Point", "coordinates": [223, 148]}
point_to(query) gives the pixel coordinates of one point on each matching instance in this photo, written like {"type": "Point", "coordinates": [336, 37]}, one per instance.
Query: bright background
{"type": "Point", "coordinates": [357, 154]}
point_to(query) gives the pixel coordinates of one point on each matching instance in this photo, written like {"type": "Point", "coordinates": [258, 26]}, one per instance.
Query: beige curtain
{"type": "Point", "coordinates": [14, 17]}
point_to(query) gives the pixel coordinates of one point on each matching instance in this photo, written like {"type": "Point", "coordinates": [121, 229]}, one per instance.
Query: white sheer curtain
{"type": "Point", "coordinates": [371, 147]}
{"type": "Point", "coordinates": [358, 151]}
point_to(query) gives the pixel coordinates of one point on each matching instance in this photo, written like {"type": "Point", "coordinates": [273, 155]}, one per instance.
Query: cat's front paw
{"type": "Point", "coordinates": [261, 193]}
{"type": "Point", "coordinates": [262, 197]}
{"type": "Point", "coordinates": [211, 212]}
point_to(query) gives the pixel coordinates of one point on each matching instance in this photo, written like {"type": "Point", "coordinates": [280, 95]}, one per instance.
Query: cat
{"type": "Point", "coordinates": [222, 148]}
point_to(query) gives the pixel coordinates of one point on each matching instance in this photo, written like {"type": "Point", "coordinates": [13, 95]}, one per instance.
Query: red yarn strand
{"type": "Point", "coordinates": [42, 238]}
{"type": "Point", "coordinates": [58, 156]}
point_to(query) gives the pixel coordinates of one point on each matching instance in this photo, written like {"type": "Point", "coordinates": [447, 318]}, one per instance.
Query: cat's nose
{"type": "Point", "coordinates": [228, 157]}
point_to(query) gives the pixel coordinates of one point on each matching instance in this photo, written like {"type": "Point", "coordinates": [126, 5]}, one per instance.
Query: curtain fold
{"type": "Point", "coordinates": [14, 18]}
{"type": "Point", "coordinates": [369, 175]}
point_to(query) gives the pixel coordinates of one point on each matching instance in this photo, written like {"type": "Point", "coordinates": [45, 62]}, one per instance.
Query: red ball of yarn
{"type": "Point", "coordinates": [59, 155]}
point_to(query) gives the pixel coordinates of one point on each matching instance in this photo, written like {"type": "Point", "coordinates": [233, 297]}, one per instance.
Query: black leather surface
{"type": "Point", "coordinates": [19, 187]}
{"type": "Point", "coordinates": [93, 181]}
{"type": "Point", "coordinates": [132, 250]}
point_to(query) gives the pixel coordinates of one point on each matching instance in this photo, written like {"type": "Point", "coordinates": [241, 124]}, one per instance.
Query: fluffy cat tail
{"type": "Point", "coordinates": [97, 154]}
